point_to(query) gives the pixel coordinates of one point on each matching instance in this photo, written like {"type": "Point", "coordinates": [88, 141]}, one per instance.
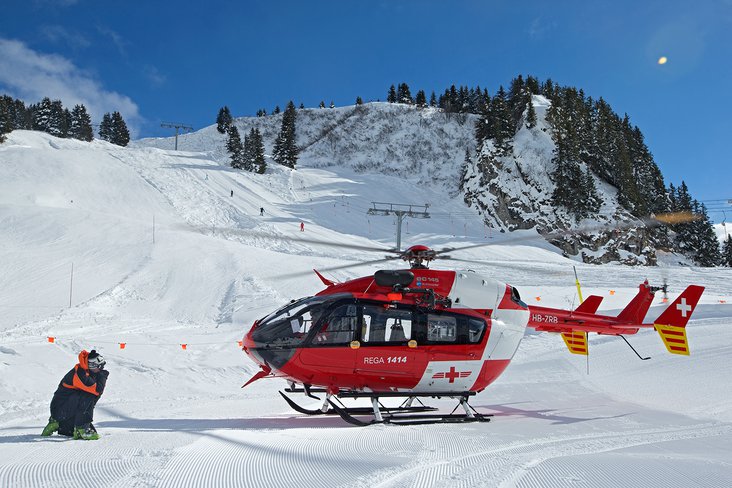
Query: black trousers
{"type": "Point", "coordinates": [72, 408]}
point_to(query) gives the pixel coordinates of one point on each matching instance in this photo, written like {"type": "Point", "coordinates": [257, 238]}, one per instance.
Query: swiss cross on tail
{"type": "Point", "coordinates": [671, 325]}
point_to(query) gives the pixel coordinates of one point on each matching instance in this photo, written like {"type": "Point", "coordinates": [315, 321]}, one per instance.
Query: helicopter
{"type": "Point", "coordinates": [419, 332]}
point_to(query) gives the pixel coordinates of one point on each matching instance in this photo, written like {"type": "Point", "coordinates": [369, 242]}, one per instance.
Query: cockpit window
{"type": "Point", "coordinates": [289, 326]}
{"type": "Point", "coordinates": [339, 326]}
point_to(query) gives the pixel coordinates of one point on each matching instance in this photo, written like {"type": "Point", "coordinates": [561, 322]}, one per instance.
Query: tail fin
{"type": "Point", "coordinates": [590, 305]}
{"type": "Point", "coordinates": [671, 324]}
{"type": "Point", "coordinates": [636, 310]}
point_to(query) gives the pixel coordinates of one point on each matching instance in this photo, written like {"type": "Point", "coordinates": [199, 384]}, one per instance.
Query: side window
{"type": "Point", "coordinates": [398, 326]}
{"type": "Point", "coordinates": [374, 324]}
{"type": "Point", "coordinates": [441, 328]}
{"type": "Point", "coordinates": [338, 327]}
{"type": "Point", "coordinates": [382, 325]}
{"type": "Point", "coordinates": [475, 330]}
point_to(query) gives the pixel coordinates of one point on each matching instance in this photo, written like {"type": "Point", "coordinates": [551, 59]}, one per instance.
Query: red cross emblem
{"type": "Point", "coordinates": [451, 375]}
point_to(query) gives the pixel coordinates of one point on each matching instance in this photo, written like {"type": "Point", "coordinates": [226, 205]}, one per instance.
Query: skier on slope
{"type": "Point", "coordinates": [72, 407]}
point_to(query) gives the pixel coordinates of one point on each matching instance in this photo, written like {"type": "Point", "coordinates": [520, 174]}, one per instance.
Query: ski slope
{"type": "Point", "coordinates": [158, 263]}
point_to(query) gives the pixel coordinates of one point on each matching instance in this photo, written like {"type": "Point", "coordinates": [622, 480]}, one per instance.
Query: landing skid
{"type": "Point", "coordinates": [352, 410]}
{"type": "Point", "coordinates": [405, 414]}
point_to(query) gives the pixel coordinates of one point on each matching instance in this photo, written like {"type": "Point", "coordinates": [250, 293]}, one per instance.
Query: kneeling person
{"type": "Point", "coordinates": [72, 407]}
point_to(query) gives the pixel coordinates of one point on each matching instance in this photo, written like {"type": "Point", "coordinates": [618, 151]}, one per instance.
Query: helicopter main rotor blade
{"type": "Point", "coordinates": [296, 240]}
{"type": "Point", "coordinates": [335, 268]}
{"type": "Point", "coordinates": [512, 265]}
{"type": "Point", "coordinates": [650, 222]}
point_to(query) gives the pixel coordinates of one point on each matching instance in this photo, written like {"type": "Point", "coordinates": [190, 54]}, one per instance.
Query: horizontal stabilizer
{"type": "Point", "coordinates": [576, 341]}
{"type": "Point", "coordinates": [590, 305]}
{"type": "Point", "coordinates": [674, 338]}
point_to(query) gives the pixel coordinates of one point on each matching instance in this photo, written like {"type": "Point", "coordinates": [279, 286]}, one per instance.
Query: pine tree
{"type": "Point", "coordinates": [707, 252]}
{"type": "Point", "coordinates": [391, 97]}
{"type": "Point", "coordinates": [81, 127]}
{"type": "Point", "coordinates": [276, 110]}
{"type": "Point", "coordinates": [302, 105]}
{"type": "Point", "coordinates": [65, 123]}
{"type": "Point", "coordinates": [235, 148]}
{"type": "Point", "coordinates": [433, 100]}
{"type": "Point", "coordinates": [14, 115]}
{"type": "Point", "coordinates": [403, 94]}
{"type": "Point", "coordinates": [285, 150]}
{"type": "Point", "coordinates": [332, 105]}
{"type": "Point", "coordinates": [359, 101]}
{"type": "Point", "coordinates": [502, 127]}
{"type": "Point", "coordinates": [322, 104]}
{"type": "Point", "coordinates": [6, 122]}
{"type": "Point", "coordinates": [43, 115]}
{"type": "Point", "coordinates": [120, 134]}
{"type": "Point", "coordinates": [257, 148]}
{"type": "Point", "coordinates": [421, 100]}
{"type": "Point", "coordinates": [727, 252]}
{"type": "Point", "coordinates": [532, 83]}
{"type": "Point", "coordinates": [518, 98]}
{"type": "Point", "coordinates": [248, 153]}
{"type": "Point", "coordinates": [105, 128]}
{"type": "Point", "coordinates": [224, 119]}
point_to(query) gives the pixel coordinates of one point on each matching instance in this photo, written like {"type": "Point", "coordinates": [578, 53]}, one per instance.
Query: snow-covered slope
{"type": "Point", "coordinates": [156, 265]}
{"type": "Point", "coordinates": [427, 147]}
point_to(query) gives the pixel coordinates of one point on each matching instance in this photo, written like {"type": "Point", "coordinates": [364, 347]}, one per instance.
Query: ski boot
{"type": "Point", "coordinates": [86, 433]}
{"type": "Point", "coordinates": [50, 428]}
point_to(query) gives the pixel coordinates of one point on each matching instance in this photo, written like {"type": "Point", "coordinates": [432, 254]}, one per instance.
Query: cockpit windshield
{"type": "Point", "coordinates": [289, 326]}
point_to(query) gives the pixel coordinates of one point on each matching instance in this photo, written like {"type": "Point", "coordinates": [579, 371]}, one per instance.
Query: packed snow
{"type": "Point", "coordinates": [103, 245]}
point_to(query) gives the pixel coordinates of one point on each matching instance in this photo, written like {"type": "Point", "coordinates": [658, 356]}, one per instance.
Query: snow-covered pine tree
{"type": "Point", "coordinates": [433, 100]}
{"type": "Point", "coordinates": [105, 128]}
{"type": "Point", "coordinates": [502, 127]}
{"type": "Point", "coordinates": [224, 119]}
{"type": "Point", "coordinates": [404, 95]}
{"type": "Point", "coordinates": [518, 97]}
{"type": "Point", "coordinates": [248, 152]}
{"type": "Point", "coordinates": [706, 244]}
{"type": "Point", "coordinates": [81, 127]}
{"type": "Point", "coordinates": [17, 116]}
{"type": "Point", "coordinates": [120, 133]}
{"type": "Point", "coordinates": [391, 97]}
{"type": "Point", "coordinates": [421, 100]}
{"type": "Point", "coordinates": [257, 143]}
{"type": "Point", "coordinates": [532, 83]}
{"type": "Point", "coordinates": [285, 150]}
{"type": "Point", "coordinates": [234, 147]}
{"type": "Point", "coordinates": [727, 252]}
{"type": "Point", "coordinates": [42, 115]}
{"type": "Point", "coordinates": [322, 104]}
{"type": "Point", "coordinates": [65, 123]}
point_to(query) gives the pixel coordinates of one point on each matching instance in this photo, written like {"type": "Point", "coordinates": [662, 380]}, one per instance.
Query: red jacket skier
{"type": "Point", "coordinates": [72, 407]}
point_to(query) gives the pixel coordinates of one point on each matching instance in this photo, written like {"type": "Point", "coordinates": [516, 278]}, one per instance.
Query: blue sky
{"type": "Point", "coordinates": [181, 61]}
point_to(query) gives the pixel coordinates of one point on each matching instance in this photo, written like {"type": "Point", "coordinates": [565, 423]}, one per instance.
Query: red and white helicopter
{"type": "Point", "coordinates": [420, 332]}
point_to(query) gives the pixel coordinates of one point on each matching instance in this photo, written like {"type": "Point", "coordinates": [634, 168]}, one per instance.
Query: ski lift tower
{"type": "Point", "coordinates": [400, 210]}
{"type": "Point", "coordinates": [177, 127]}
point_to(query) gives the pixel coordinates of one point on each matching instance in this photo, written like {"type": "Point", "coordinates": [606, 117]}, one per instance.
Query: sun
{"type": "Point", "coordinates": [662, 60]}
